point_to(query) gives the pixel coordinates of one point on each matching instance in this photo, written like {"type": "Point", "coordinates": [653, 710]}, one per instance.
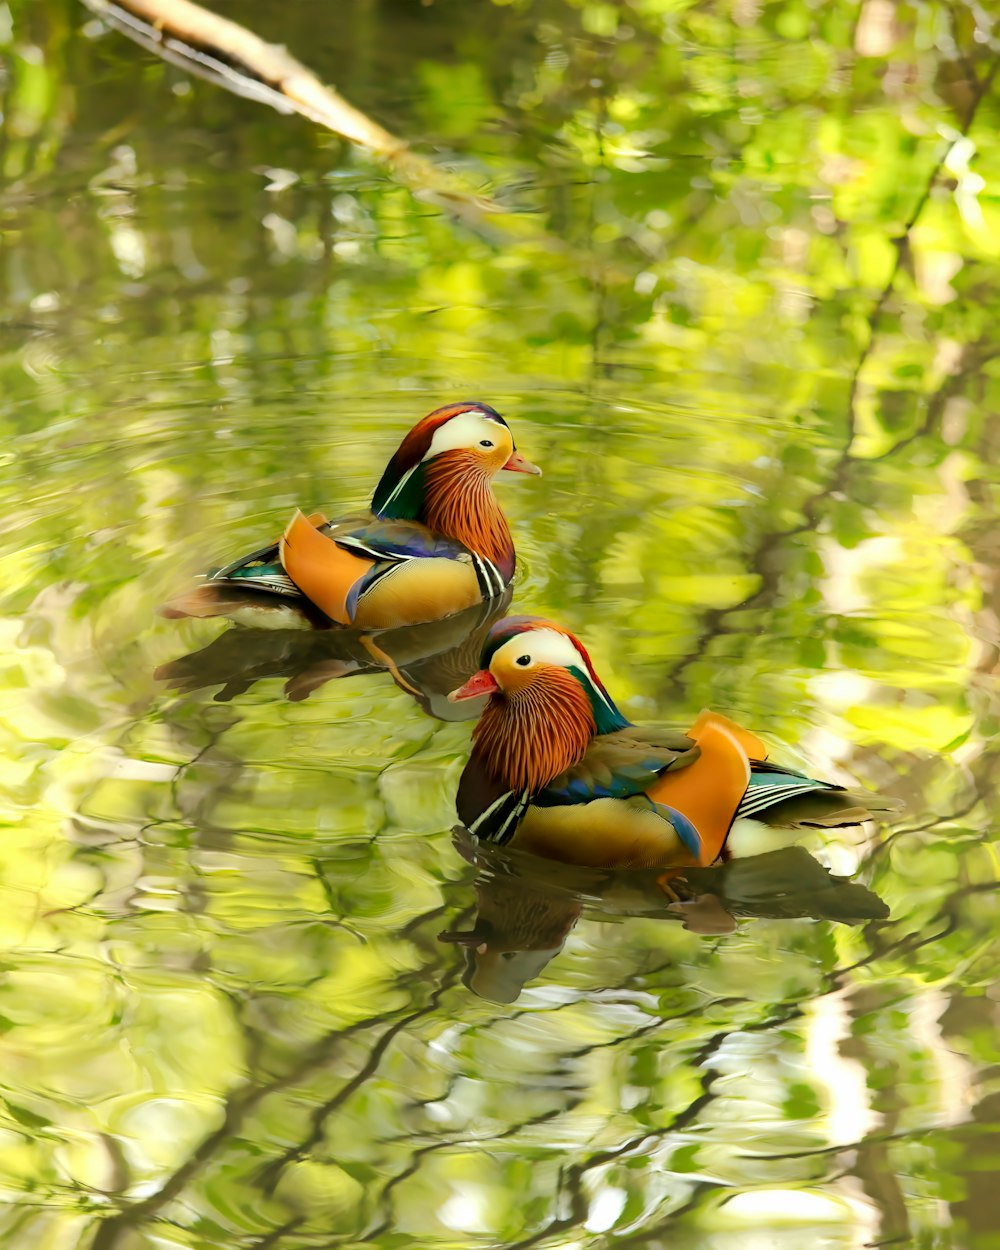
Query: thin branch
{"type": "Point", "coordinates": [238, 1106]}
{"type": "Point", "coordinates": [271, 1173]}
{"type": "Point", "coordinates": [764, 561]}
{"type": "Point", "coordinates": [230, 56]}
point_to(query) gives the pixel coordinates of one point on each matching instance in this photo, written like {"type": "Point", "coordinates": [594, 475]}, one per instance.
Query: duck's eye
{"type": "Point", "coordinates": [523, 660]}
{"type": "Point", "coordinates": [485, 442]}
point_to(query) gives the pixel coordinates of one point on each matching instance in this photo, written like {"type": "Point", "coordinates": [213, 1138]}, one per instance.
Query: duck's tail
{"type": "Point", "coordinates": [249, 589]}
{"type": "Point", "coordinates": [786, 799]}
{"type": "Point", "coordinates": [241, 601]}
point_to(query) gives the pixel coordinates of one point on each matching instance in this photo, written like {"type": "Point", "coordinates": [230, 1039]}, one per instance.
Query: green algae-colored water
{"type": "Point", "coordinates": [744, 308]}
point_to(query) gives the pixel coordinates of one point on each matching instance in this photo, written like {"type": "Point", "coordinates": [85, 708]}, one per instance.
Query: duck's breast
{"type": "Point", "coordinates": [604, 833]}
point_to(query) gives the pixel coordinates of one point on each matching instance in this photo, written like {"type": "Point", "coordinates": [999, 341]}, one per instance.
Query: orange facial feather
{"type": "Point", "coordinates": [529, 738]}
{"type": "Point", "coordinates": [459, 503]}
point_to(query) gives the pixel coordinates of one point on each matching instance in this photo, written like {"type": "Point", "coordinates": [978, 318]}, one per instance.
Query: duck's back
{"type": "Point", "coordinates": [360, 571]}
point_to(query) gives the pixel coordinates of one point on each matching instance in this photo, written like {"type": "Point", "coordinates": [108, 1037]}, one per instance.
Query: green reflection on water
{"type": "Point", "coordinates": [767, 426]}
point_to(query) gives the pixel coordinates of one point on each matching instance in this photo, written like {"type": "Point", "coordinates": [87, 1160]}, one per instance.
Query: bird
{"type": "Point", "coordinates": [434, 542]}
{"type": "Point", "coordinates": [556, 769]}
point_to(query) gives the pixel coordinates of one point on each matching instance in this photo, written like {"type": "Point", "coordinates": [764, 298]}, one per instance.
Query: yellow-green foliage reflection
{"type": "Point", "coordinates": [744, 310]}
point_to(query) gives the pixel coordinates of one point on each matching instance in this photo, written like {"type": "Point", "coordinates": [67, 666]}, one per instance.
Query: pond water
{"type": "Point", "coordinates": [742, 305]}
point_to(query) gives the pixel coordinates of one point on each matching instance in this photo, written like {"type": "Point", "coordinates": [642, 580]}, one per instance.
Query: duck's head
{"type": "Point", "coordinates": [526, 656]}
{"type": "Point", "coordinates": [471, 437]}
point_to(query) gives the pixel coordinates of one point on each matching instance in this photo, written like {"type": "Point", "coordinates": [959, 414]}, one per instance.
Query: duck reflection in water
{"type": "Point", "coordinates": [426, 660]}
{"type": "Point", "coordinates": [526, 906]}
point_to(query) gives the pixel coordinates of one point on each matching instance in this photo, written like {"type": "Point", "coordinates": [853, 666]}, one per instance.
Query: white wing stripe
{"type": "Point", "coordinates": [492, 808]}
{"type": "Point", "coordinates": [399, 486]}
{"type": "Point", "coordinates": [489, 576]}
{"type": "Point", "coordinates": [761, 797]}
{"type": "Point", "coordinates": [356, 544]}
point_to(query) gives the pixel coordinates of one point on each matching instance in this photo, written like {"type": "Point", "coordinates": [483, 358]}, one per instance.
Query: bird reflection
{"type": "Point", "coordinates": [426, 660]}
{"type": "Point", "coordinates": [526, 906]}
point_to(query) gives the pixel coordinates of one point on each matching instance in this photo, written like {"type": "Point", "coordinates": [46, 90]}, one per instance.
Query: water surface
{"type": "Point", "coordinates": [745, 313]}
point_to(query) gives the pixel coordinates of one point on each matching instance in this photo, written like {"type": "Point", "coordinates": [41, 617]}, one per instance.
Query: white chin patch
{"type": "Point", "coordinates": [466, 432]}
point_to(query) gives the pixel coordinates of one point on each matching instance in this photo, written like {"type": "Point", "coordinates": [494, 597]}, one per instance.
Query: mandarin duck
{"type": "Point", "coordinates": [526, 907]}
{"type": "Point", "coordinates": [426, 660]}
{"type": "Point", "coordinates": [434, 542]}
{"type": "Point", "coordinates": [558, 768]}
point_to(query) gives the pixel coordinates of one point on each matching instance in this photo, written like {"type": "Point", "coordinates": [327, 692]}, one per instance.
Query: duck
{"type": "Point", "coordinates": [558, 770]}
{"type": "Point", "coordinates": [434, 542]}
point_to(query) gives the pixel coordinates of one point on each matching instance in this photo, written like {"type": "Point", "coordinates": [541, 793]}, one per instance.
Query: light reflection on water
{"type": "Point", "coordinates": [227, 1014]}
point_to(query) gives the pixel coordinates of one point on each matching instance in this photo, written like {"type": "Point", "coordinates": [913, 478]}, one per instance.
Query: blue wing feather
{"type": "Point", "coordinates": [683, 827]}
{"type": "Point", "coordinates": [618, 781]}
{"type": "Point", "coordinates": [390, 544]}
{"type": "Point", "coordinates": [395, 541]}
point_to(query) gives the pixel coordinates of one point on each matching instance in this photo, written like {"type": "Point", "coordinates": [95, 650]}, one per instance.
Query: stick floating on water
{"type": "Point", "coordinates": [229, 55]}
